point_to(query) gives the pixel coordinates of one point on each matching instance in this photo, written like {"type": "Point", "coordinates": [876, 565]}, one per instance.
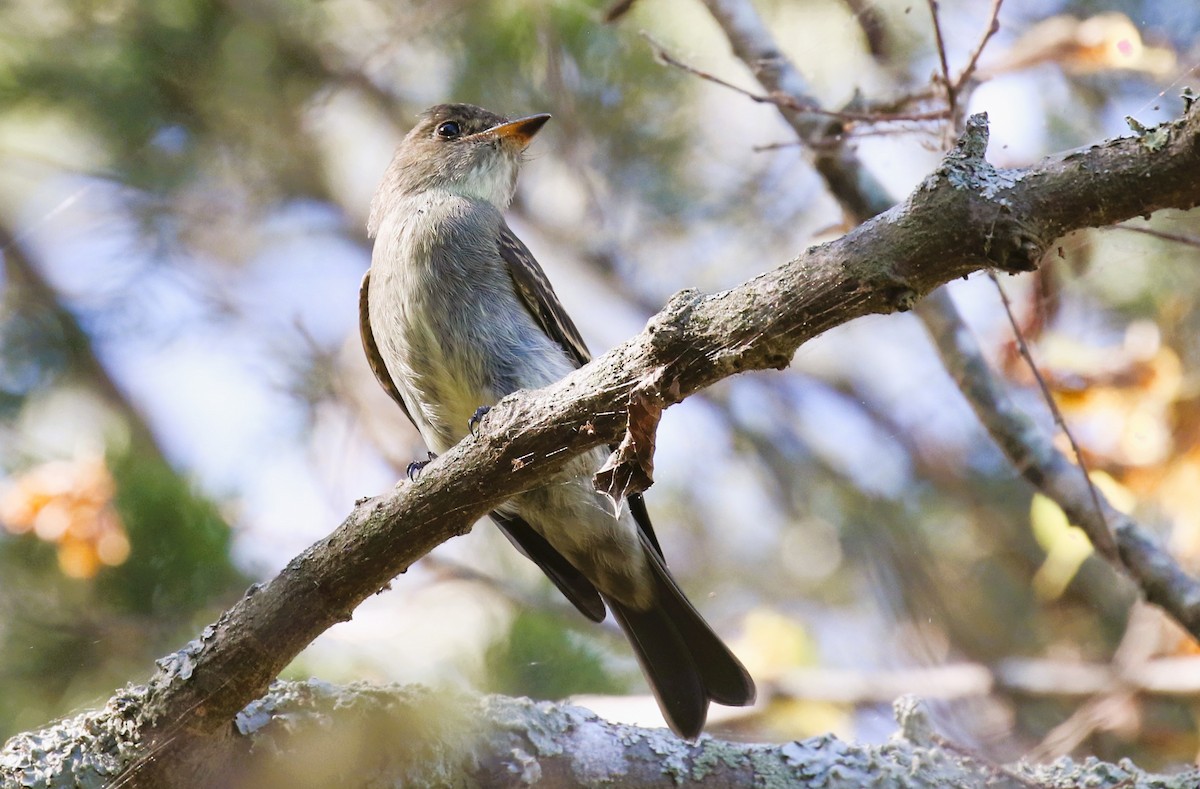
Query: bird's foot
{"type": "Point", "coordinates": [414, 468]}
{"type": "Point", "coordinates": [476, 418]}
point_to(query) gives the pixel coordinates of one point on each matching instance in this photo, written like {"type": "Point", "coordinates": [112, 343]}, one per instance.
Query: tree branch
{"type": "Point", "coordinates": [412, 736]}
{"type": "Point", "coordinates": [964, 217]}
{"type": "Point", "coordinates": [1035, 457]}
{"type": "Point", "coordinates": [1159, 576]}
{"type": "Point", "coordinates": [852, 185]}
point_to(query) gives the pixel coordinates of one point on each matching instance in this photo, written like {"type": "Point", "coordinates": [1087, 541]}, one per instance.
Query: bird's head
{"type": "Point", "coordinates": [464, 150]}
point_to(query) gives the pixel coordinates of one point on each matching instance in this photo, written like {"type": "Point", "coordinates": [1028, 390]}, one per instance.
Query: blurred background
{"type": "Point", "coordinates": [184, 404]}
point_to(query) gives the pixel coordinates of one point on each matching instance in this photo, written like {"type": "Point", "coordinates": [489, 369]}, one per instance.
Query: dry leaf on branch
{"type": "Point", "coordinates": [630, 469]}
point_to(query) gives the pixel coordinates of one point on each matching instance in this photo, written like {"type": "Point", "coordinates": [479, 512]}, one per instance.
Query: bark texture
{"type": "Point", "coordinates": [314, 734]}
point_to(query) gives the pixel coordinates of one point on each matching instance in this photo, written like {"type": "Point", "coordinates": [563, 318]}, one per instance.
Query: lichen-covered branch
{"type": "Point", "coordinates": [315, 734]}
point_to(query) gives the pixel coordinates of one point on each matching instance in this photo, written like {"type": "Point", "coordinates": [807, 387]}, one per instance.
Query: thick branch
{"type": "Point", "coordinates": [412, 736]}
{"type": "Point", "coordinates": [965, 216]}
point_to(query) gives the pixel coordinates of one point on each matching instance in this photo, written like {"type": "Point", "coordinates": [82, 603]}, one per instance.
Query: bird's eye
{"type": "Point", "coordinates": [449, 130]}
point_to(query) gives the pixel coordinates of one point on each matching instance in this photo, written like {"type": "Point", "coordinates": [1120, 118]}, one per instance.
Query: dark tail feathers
{"type": "Point", "coordinates": [685, 662]}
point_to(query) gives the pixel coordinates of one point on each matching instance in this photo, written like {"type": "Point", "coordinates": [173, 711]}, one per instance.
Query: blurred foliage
{"type": "Point", "coordinates": [540, 659]}
{"type": "Point", "coordinates": [155, 80]}
{"type": "Point", "coordinates": [33, 350]}
{"type": "Point", "coordinates": [101, 578]}
{"type": "Point", "coordinates": [847, 514]}
{"type": "Point", "coordinates": [179, 560]}
{"type": "Point", "coordinates": [592, 80]}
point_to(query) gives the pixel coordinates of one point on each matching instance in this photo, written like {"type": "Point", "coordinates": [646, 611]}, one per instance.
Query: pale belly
{"type": "Point", "coordinates": [451, 350]}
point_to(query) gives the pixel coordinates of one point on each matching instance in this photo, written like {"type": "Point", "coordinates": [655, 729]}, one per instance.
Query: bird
{"type": "Point", "coordinates": [454, 314]}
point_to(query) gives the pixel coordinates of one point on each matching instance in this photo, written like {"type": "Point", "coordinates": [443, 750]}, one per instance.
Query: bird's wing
{"type": "Point", "coordinates": [540, 299]}
{"type": "Point", "coordinates": [572, 583]}
{"type": "Point", "coordinates": [374, 359]}
{"type": "Point", "coordinates": [535, 290]}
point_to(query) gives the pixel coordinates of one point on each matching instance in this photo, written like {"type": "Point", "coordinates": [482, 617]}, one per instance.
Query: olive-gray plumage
{"type": "Point", "coordinates": [456, 313]}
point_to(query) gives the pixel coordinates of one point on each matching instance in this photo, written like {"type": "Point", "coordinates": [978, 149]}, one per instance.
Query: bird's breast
{"type": "Point", "coordinates": [452, 331]}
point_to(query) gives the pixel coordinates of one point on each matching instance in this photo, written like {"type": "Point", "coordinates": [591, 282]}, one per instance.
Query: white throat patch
{"type": "Point", "coordinates": [493, 182]}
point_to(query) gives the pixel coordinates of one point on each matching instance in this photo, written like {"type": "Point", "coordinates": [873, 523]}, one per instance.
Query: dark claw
{"type": "Point", "coordinates": [414, 468]}
{"type": "Point", "coordinates": [473, 422]}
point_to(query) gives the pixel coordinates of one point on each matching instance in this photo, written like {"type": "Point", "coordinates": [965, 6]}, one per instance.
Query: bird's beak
{"type": "Point", "coordinates": [520, 131]}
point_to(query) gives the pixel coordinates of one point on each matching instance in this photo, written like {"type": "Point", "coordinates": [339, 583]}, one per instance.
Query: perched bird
{"type": "Point", "coordinates": [455, 314]}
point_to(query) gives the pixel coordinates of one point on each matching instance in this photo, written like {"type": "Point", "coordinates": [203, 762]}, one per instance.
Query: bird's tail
{"type": "Point", "coordinates": [685, 662]}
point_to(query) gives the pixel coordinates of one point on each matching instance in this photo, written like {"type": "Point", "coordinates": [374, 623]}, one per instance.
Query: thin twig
{"type": "Point", "coordinates": [947, 83]}
{"type": "Point", "coordinates": [790, 102]}
{"type": "Point", "coordinates": [665, 57]}
{"type": "Point", "coordinates": [954, 88]}
{"type": "Point", "coordinates": [992, 29]}
{"type": "Point", "coordinates": [861, 117]}
{"type": "Point", "coordinates": [1180, 238]}
{"type": "Point", "coordinates": [1102, 540]}
{"type": "Point", "coordinates": [777, 146]}
{"type": "Point", "coordinates": [1034, 456]}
